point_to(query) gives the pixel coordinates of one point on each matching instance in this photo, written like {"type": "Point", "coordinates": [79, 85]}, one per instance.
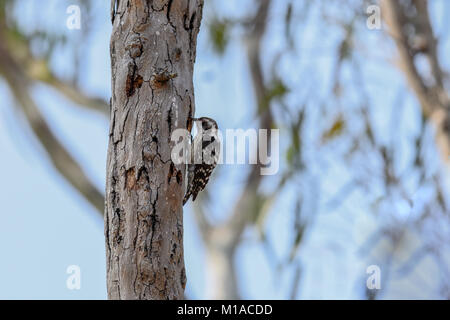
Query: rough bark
{"type": "Point", "coordinates": [153, 48]}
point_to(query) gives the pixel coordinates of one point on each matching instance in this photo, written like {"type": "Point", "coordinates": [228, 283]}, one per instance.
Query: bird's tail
{"type": "Point", "coordinates": [186, 197]}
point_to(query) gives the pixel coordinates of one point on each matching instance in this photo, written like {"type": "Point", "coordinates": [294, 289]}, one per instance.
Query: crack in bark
{"type": "Point", "coordinates": [143, 227]}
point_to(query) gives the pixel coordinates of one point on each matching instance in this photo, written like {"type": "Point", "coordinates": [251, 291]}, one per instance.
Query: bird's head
{"type": "Point", "coordinates": [207, 123]}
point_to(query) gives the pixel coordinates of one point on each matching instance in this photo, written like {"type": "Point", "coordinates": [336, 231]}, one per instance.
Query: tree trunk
{"type": "Point", "coordinates": [222, 281]}
{"type": "Point", "coordinates": [410, 23]}
{"type": "Point", "coordinates": [153, 48]}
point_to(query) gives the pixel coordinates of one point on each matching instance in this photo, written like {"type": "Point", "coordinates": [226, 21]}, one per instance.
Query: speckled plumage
{"type": "Point", "coordinates": [198, 174]}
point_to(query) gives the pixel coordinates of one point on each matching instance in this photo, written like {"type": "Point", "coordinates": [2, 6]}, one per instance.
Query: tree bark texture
{"type": "Point", "coordinates": [153, 48]}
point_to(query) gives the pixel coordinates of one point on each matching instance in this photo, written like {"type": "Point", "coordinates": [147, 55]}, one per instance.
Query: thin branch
{"type": "Point", "coordinates": [73, 93]}
{"type": "Point", "coordinates": [434, 99]}
{"type": "Point", "coordinates": [222, 240]}
{"type": "Point", "coordinates": [39, 70]}
{"type": "Point", "coordinates": [242, 210]}
{"type": "Point", "coordinates": [20, 85]}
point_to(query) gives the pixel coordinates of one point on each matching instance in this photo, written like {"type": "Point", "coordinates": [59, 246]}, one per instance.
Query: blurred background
{"type": "Point", "coordinates": [363, 110]}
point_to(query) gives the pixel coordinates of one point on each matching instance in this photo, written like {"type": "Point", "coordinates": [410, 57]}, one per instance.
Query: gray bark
{"type": "Point", "coordinates": [153, 48]}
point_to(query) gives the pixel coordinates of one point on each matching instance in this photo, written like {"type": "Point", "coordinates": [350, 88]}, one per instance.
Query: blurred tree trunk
{"type": "Point", "coordinates": [153, 48]}
{"type": "Point", "coordinates": [223, 240]}
{"type": "Point", "coordinates": [410, 27]}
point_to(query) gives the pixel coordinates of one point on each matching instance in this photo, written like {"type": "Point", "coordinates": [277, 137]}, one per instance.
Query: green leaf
{"type": "Point", "coordinates": [219, 34]}
{"type": "Point", "coordinates": [335, 130]}
{"type": "Point", "coordinates": [278, 89]}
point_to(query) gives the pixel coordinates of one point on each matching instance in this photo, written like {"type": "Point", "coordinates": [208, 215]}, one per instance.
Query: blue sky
{"type": "Point", "coordinates": [45, 226]}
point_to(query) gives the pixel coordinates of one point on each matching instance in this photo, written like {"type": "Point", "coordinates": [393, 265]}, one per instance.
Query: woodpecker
{"type": "Point", "coordinates": [198, 173]}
